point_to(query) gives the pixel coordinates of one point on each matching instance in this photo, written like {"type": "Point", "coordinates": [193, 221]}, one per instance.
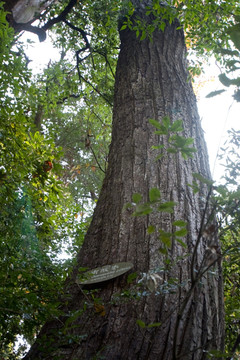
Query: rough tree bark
{"type": "Point", "coordinates": [151, 82]}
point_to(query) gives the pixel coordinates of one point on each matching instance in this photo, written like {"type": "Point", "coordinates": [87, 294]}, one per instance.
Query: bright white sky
{"type": "Point", "coordinates": [218, 114]}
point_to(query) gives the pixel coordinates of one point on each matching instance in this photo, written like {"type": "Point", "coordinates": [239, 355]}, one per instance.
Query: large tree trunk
{"type": "Point", "coordinates": [151, 82]}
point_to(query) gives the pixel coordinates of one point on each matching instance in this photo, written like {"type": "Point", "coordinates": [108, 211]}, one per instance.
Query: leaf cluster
{"type": "Point", "coordinates": [230, 57]}
{"type": "Point", "coordinates": [226, 201]}
{"type": "Point", "coordinates": [177, 143]}
{"type": "Point", "coordinates": [146, 20]}
{"type": "Point", "coordinates": [156, 205]}
{"type": "Point", "coordinates": [35, 207]}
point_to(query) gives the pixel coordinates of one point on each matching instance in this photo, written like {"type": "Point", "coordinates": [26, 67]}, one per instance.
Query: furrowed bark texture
{"type": "Point", "coordinates": [151, 82]}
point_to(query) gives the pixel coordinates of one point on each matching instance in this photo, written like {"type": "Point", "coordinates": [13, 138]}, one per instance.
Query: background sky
{"type": "Point", "coordinates": [218, 114]}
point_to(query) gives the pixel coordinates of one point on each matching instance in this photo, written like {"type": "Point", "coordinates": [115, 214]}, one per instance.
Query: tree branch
{"type": "Point", "coordinates": [41, 32]}
{"type": "Point", "coordinates": [81, 31]}
{"type": "Point", "coordinates": [18, 27]}
{"type": "Point", "coordinates": [107, 61]}
{"type": "Point", "coordinates": [94, 88]}
{"type": "Point", "coordinates": [60, 17]}
{"type": "Point", "coordinates": [234, 348]}
{"type": "Point", "coordinates": [199, 235]}
{"type": "Point", "coordinates": [97, 160]}
{"type": "Point", "coordinates": [74, 96]}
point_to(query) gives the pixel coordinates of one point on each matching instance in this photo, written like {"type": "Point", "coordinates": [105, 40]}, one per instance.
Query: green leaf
{"type": "Point", "coordinates": [176, 126]}
{"type": "Point", "coordinates": [188, 141]}
{"type": "Point", "coordinates": [202, 179]}
{"type": "Point", "coordinates": [165, 238]}
{"type": "Point", "coordinates": [156, 324]}
{"type": "Point", "coordinates": [136, 198]}
{"type": "Point", "coordinates": [143, 36]}
{"type": "Point", "coordinates": [151, 229]}
{"type": "Point", "coordinates": [155, 123]}
{"type": "Point", "coordinates": [162, 26]}
{"type": "Point", "coordinates": [181, 243]}
{"type": "Point", "coordinates": [195, 187]}
{"type": "Point", "coordinates": [214, 354]}
{"type": "Point", "coordinates": [222, 190]}
{"type": "Point", "coordinates": [234, 32]}
{"type": "Point", "coordinates": [180, 223]}
{"type": "Point", "coordinates": [154, 194]}
{"type": "Point", "coordinates": [141, 323]}
{"type": "Point", "coordinates": [131, 277]}
{"type": "Point", "coordinates": [181, 233]}
{"type": "Point", "coordinates": [163, 250]}
{"type": "Point", "coordinates": [123, 27]}
{"type": "Point", "coordinates": [166, 122]}
{"type": "Point", "coordinates": [142, 210]}
{"type": "Point", "coordinates": [228, 52]}
{"type": "Point", "coordinates": [236, 81]}
{"type": "Point", "coordinates": [167, 207]}
{"type": "Point", "coordinates": [188, 152]}
{"type": "Point", "coordinates": [159, 156]}
{"type": "Point", "coordinates": [225, 80]}
{"type": "Point", "coordinates": [128, 205]}
{"type": "Point", "coordinates": [214, 93]}
{"type": "Point", "coordinates": [172, 150]}
{"type": "Point", "coordinates": [157, 147]}
{"type": "Point", "coordinates": [163, 131]}
{"type": "Point", "coordinates": [237, 18]}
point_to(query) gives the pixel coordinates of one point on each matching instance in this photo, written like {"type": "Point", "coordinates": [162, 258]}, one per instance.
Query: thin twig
{"type": "Point", "coordinates": [234, 348]}
{"type": "Point", "coordinates": [199, 235]}
{"type": "Point", "coordinates": [73, 96]}
{"type": "Point", "coordinates": [97, 160]}
{"type": "Point", "coordinates": [94, 88]}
